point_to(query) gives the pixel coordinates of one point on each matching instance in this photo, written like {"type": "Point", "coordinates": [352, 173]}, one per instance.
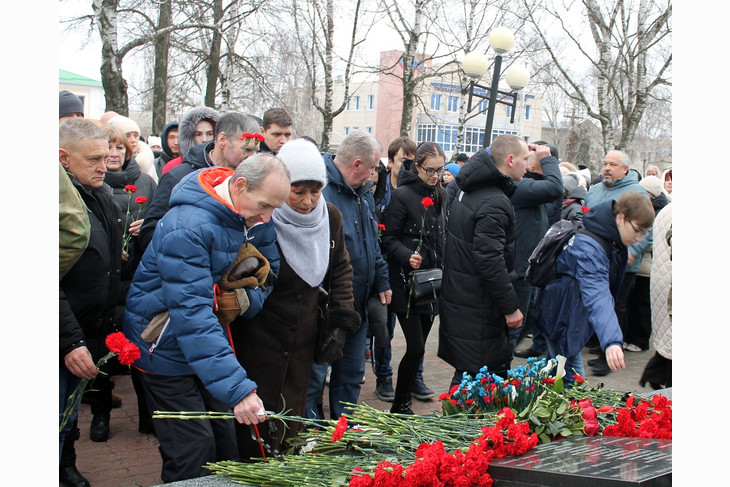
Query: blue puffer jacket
{"type": "Point", "coordinates": [581, 299]}
{"type": "Point", "coordinates": [369, 269]}
{"type": "Point", "coordinates": [194, 244]}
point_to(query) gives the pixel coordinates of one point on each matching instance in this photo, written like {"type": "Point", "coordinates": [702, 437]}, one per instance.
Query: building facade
{"type": "Point", "coordinates": [88, 90]}
{"type": "Point", "coordinates": [439, 111]}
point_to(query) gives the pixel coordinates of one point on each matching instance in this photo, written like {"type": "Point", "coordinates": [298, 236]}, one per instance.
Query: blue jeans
{"type": "Point", "coordinates": [67, 383]}
{"type": "Point", "coordinates": [345, 377]}
{"type": "Point", "coordinates": [383, 355]}
{"type": "Point", "coordinates": [572, 362]}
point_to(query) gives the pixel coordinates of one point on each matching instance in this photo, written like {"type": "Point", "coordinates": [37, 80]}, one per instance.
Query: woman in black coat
{"type": "Point", "coordinates": [277, 346]}
{"type": "Point", "coordinates": [411, 218]}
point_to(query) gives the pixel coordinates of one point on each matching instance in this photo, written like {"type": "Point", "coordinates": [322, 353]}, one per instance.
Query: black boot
{"type": "Point", "coordinates": [68, 474]}
{"type": "Point", "coordinates": [401, 406]}
{"type": "Point", "coordinates": [99, 430]}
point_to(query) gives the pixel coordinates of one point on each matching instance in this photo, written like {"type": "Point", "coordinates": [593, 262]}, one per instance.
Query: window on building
{"type": "Point", "coordinates": [453, 103]}
{"type": "Point", "coordinates": [483, 105]}
{"type": "Point", "coordinates": [353, 103]}
{"type": "Point", "coordinates": [369, 130]}
{"type": "Point", "coordinates": [509, 111]}
{"type": "Point", "coordinates": [347, 130]}
{"type": "Point", "coordinates": [435, 102]}
{"type": "Point", "coordinates": [528, 111]}
{"type": "Point", "coordinates": [371, 102]}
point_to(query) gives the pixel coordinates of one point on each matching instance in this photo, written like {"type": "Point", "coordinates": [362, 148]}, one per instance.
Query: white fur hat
{"type": "Point", "coordinates": [304, 161]}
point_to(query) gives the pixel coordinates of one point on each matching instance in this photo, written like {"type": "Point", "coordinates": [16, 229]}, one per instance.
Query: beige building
{"type": "Point", "coordinates": [88, 90]}
{"type": "Point", "coordinates": [376, 104]}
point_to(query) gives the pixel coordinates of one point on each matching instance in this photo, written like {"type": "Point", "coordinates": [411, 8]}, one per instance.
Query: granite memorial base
{"type": "Point", "coordinates": [598, 461]}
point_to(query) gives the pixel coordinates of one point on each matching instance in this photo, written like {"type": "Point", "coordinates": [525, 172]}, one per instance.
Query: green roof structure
{"type": "Point", "coordinates": [69, 77]}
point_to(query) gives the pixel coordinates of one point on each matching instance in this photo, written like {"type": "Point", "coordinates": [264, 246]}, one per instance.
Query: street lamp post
{"type": "Point", "coordinates": [517, 77]}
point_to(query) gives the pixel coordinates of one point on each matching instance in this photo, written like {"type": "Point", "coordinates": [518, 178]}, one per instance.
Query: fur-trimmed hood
{"type": "Point", "coordinates": [186, 130]}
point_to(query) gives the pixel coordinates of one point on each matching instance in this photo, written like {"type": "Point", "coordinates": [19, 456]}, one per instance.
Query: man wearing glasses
{"type": "Point", "coordinates": [616, 180]}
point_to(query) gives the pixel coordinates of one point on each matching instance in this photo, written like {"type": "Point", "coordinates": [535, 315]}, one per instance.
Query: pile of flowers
{"type": "Point", "coordinates": [482, 419]}
{"type": "Point", "coordinates": [646, 419]}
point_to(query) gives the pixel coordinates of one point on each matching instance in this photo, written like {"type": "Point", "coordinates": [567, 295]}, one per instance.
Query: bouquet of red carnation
{"type": "Point", "coordinates": [643, 420]}
{"type": "Point", "coordinates": [118, 345]}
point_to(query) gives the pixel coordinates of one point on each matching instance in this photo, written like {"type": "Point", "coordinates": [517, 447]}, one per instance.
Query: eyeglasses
{"type": "Point", "coordinates": [431, 171]}
{"type": "Point", "coordinates": [637, 230]}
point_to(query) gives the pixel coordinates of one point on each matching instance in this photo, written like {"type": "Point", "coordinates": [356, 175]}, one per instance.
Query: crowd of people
{"type": "Point", "coordinates": [254, 272]}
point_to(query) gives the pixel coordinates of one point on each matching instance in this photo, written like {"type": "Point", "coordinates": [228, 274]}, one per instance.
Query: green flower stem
{"type": "Point", "coordinates": [73, 401]}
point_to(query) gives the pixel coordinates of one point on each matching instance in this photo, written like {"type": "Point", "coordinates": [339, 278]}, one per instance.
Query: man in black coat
{"type": "Point", "coordinates": [478, 300]}
{"type": "Point", "coordinates": [88, 291]}
{"type": "Point", "coordinates": [532, 199]}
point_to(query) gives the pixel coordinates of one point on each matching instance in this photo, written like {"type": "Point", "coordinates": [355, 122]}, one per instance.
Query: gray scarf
{"type": "Point", "coordinates": [304, 240]}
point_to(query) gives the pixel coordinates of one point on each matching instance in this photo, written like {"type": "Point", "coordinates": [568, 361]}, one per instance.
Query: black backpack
{"type": "Point", "coordinates": [542, 264]}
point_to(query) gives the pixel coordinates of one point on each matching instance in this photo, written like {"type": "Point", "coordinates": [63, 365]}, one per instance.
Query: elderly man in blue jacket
{"type": "Point", "coordinates": [191, 366]}
{"type": "Point", "coordinates": [349, 190]}
{"type": "Point", "coordinates": [616, 180]}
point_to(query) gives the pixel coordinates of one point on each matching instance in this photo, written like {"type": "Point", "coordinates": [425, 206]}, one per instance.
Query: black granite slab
{"type": "Point", "coordinates": [599, 461]}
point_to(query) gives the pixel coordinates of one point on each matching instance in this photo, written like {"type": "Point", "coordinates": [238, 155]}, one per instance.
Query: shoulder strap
{"type": "Point", "coordinates": [604, 243]}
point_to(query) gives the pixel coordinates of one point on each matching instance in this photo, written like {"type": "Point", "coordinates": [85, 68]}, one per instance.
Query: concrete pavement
{"type": "Point", "coordinates": [129, 459]}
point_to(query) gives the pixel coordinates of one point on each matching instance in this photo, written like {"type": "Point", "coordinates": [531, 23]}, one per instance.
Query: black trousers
{"type": "Point", "coordinates": [415, 330]}
{"type": "Point", "coordinates": [638, 330]}
{"type": "Point", "coordinates": [187, 445]}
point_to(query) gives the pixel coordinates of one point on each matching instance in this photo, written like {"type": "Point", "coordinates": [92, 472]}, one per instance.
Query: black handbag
{"type": "Point", "coordinates": [426, 286]}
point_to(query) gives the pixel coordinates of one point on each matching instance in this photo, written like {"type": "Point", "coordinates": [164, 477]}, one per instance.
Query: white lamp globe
{"type": "Point", "coordinates": [517, 76]}
{"type": "Point", "coordinates": [475, 64]}
{"type": "Point", "coordinates": [501, 39]}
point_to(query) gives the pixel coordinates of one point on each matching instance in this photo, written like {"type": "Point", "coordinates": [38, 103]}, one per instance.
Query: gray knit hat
{"type": "Point", "coordinates": [652, 184]}
{"type": "Point", "coordinates": [69, 103]}
{"type": "Point", "coordinates": [304, 161]}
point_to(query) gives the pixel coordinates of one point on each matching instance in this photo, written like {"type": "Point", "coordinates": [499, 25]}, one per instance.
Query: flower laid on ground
{"type": "Point", "coordinates": [118, 345]}
{"type": "Point", "coordinates": [246, 137]}
{"type": "Point", "coordinates": [426, 202]}
{"type": "Point", "coordinates": [643, 420]}
{"type": "Point", "coordinates": [340, 428]}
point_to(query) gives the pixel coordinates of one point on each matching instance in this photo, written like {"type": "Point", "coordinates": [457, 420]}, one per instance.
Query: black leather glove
{"type": "Point", "coordinates": [342, 322]}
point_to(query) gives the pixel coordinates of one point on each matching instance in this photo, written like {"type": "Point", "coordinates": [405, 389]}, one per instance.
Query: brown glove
{"type": "Point", "coordinates": [229, 305]}
{"type": "Point", "coordinates": [250, 269]}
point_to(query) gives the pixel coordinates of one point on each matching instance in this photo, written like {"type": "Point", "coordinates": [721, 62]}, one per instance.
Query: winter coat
{"type": "Point", "coordinates": [369, 269]}
{"type": "Point", "coordinates": [572, 206]}
{"type": "Point", "coordinates": [661, 285]}
{"type": "Point", "coordinates": [645, 268]}
{"type": "Point", "coordinates": [476, 289]}
{"type": "Point", "coordinates": [402, 230]}
{"type": "Point", "coordinates": [197, 158]}
{"type": "Point", "coordinates": [600, 192]}
{"type": "Point", "coordinates": [165, 155]}
{"type": "Point", "coordinates": [580, 301]}
{"type": "Point", "coordinates": [530, 201]}
{"type": "Point", "coordinates": [132, 211]}
{"type": "Point", "coordinates": [276, 347]}
{"type": "Point", "coordinates": [73, 223]}
{"type": "Point", "coordinates": [195, 243]}
{"type": "Point", "coordinates": [88, 291]}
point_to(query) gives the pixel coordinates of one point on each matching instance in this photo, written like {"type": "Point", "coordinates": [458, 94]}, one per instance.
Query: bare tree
{"type": "Point", "coordinates": [629, 58]}
{"type": "Point", "coordinates": [162, 49]}
{"type": "Point", "coordinates": [314, 24]}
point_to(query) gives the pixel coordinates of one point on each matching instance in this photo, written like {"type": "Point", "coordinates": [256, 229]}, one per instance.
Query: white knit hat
{"type": "Point", "coordinates": [125, 124]}
{"type": "Point", "coordinates": [652, 184]}
{"type": "Point", "coordinates": [304, 161]}
{"type": "Point", "coordinates": [154, 140]}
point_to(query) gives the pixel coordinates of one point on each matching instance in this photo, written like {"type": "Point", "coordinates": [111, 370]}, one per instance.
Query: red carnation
{"type": "Point", "coordinates": [129, 354]}
{"type": "Point", "coordinates": [340, 428]}
{"type": "Point", "coordinates": [115, 342]}
{"type": "Point", "coordinates": [578, 379]}
{"type": "Point", "coordinates": [585, 209]}
{"type": "Point", "coordinates": [427, 201]}
{"type": "Point", "coordinates": [130, 188]}
{"type": "Point", "coordinates": [140, 200]}
{"type": "Point", "coordinates": [381, 226]}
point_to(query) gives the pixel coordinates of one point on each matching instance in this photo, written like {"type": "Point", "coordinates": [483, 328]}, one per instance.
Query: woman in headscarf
{"type": "Point", "coordinates": [277, 347]}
